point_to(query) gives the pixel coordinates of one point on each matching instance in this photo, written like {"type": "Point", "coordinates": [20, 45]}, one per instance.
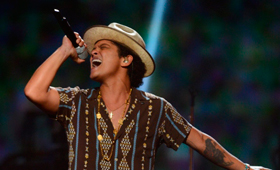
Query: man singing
{"type": "Point", "coordinates": [116, 126]}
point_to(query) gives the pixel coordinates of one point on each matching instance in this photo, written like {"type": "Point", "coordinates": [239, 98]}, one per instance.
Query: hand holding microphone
{"type": "Point", "coordinates": [82, 52]}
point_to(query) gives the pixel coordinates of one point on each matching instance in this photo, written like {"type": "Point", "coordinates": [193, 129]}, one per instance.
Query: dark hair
{"type": "Point", "coordinates": [136, 69]}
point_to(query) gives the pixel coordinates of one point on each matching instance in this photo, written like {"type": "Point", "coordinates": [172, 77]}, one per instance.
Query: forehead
{"type": "Point", "coordinates": [100, 42]}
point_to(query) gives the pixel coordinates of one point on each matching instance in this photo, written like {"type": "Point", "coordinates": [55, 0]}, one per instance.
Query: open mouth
{"type": "Point", "coordinates": [96, 62]}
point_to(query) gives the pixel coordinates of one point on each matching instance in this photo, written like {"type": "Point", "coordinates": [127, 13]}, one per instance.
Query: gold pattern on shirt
{"type": "Point", "coordinates": [70, 132]}
{"type": "Point", "coordinates": [176, 116]}
{"type": "Point", "coordinates": [87, 133]}
{"type": "Point", "coordinates": [161, 129]}
{"type": "Point", "coordinates": [126, 146]}
{"type": "Point", "coordinates": [64, 97]}
{"type": "Point", "coordinates": [105, 165]}
{"type": "Point", "coordinates": [177, 119]}
{"type": "Point", "coordinates": [150, 107]}
{"type": "Point", "coordinates": [106, 142]}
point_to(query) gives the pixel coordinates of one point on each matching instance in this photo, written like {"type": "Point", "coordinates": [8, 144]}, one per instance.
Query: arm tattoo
{"type": "Point", "coordinates": [215, 154]}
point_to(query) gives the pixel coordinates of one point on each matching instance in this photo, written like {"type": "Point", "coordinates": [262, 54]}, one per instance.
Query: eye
{"type": "Point", "coordinates": [103, 46]}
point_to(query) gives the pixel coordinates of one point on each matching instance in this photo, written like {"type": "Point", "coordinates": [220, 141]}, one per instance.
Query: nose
{"type": "Point", "coordinates": [94, 51]}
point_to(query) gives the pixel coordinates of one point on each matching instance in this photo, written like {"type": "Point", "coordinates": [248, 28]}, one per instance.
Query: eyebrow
{"type": "Point", "coordinates": [101, 45]}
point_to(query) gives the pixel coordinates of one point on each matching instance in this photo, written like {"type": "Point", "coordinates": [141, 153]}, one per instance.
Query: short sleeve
{"type": "Point", "coordinates": [174, 128]}
{"type": "Point", "coordinates": [67, 103]}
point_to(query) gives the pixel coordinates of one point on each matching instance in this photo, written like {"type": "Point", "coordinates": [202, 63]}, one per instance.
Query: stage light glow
{"type": "Point", "coordinates": [153, 35]}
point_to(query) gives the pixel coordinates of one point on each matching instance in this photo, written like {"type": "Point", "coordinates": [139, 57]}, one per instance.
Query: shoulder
{"type": "Point", "coordinates": [150, 96]}
{"type": "Point", "coordinates": [157, 100]}
{"type": "Point", "coordinates": [74, 91]}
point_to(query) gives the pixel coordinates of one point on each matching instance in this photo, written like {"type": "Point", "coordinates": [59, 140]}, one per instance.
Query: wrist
{"type": "Point", "coordinates": [63, 52]}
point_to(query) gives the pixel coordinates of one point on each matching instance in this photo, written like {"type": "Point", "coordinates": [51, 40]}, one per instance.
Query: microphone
{"type": "Point", "coordinates": [82, 52]}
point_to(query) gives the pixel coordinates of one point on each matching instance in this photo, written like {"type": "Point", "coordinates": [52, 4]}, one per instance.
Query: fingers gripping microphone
{"type": "Point", "coordinates": [82, 52]}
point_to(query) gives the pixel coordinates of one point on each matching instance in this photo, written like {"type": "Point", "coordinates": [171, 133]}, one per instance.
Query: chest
{"type": "Point", "coordinates": [134, 145]}
{"type": "Point", "coordinates": [137, 119]}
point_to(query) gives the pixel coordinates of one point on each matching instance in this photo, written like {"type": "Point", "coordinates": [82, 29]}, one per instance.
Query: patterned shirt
{"type": "Point", "coordinates": [149, 122]}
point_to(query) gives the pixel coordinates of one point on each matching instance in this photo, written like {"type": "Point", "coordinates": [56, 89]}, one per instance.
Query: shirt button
{"type": "Point", "coordinates": [116, 159]}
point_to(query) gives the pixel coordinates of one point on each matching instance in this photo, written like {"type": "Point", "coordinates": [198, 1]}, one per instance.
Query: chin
{"type": "Point", "coordinates": [94, 78]}
{"type": "Point", "coordinates": [92, 74]}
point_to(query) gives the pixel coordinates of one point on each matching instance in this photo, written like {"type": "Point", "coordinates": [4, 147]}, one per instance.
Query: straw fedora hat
{"type": "Point", "coordinates": [122, 34]}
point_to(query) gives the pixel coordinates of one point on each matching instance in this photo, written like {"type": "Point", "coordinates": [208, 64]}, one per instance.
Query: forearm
{"type": "Point", "coordinates": [213, 151]}
{"type": "Point", "coordinates": [218, 155]}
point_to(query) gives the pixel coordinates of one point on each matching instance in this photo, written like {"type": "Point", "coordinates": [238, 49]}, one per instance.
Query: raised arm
{"type": "Point", "coordinates": [38, 88]}
{"type": "Point", "coordinates": [213, 151]}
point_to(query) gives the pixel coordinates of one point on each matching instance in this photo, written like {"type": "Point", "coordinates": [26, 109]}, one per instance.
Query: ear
{"type": "Point", "coordinates": [126, 61]}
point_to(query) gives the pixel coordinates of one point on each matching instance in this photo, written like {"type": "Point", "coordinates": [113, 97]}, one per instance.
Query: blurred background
{"type": "Point", "coordinates": [228, 51]}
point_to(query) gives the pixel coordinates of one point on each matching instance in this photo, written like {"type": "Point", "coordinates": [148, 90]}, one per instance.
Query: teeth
{"type": "Point", "coordinates": [96, 62]}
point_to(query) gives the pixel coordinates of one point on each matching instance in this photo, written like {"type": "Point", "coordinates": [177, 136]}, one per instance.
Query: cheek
{"type": "Point", "coordinates": [113, 57]}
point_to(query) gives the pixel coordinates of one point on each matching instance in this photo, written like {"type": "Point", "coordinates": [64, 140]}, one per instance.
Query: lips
{"type": "Point", "coordinates": [96, 62]}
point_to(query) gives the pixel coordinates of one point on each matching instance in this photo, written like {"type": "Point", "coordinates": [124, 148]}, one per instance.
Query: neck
{"type": "Point", "coordinates": [115, 92]}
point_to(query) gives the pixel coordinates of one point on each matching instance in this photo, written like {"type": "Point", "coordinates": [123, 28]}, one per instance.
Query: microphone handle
{"type": "Point", "coordinates": [65, 26]}
{"type": "Point", "coordinates": [68, 31]}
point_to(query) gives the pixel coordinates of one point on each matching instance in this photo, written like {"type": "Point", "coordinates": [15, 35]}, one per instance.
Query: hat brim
{"type": "Point", "coordinates": [99, 32]}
